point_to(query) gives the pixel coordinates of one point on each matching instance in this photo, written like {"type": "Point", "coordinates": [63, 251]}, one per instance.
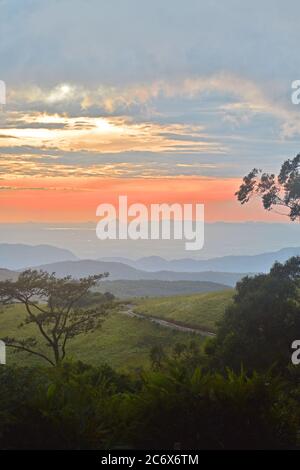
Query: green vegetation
{"type": "Point", "coordinates": [259, 327]}
{"type": "Point", "coordinates": [122, 342]}
{"type": "Point", "coordinates": [75, 406]}
{"type": "Point", "coordinates": [125, 289]}
{"type": "Point", "coordinates": [240, 391]}
{"type": "Point", "coordinates": [59, 309]}
{"type": "Point", "coordinates": [282, 190]}
{"type": "Point", "coordinates": [199, 311]}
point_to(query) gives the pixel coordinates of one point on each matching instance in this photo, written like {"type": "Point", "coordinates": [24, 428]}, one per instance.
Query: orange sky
{"type": "Point", "coordinates": [59, 165]}
{"type": "Point", "coordinates": [76, 199]}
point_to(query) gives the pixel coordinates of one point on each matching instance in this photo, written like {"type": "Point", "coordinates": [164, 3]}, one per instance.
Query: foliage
{"type": "Point", "coordinates": [275, 191]}
{"type": "Point", "coordinates": [57, 309]}
{"type": "Point", "coordinates": [122, 342]}
{"type": "Point", "coordinates": [194, 410]}
{"type": "Point", "coordinates": [186, 400]}
{"type": "Point", "coordinates": [258, 328]}
{"type": "Point", "coordinates": [75, 406]}
{"type": "Point", "coordinates": [57, 408]}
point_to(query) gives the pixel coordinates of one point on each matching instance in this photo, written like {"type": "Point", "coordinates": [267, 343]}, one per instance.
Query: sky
{"type": "Point", "coordinates": [162, 101]}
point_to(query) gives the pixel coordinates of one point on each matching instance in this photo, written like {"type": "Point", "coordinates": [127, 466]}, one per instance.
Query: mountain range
{"type": "Point", "coordinates": [20, 256]}
{"type": "Point", "coordinates": [118, 271]}
{"type": "Point", "coordinates": [17, 256]}
{"type": "Point", "coordinates": [221, 272]}
{"type": "Point", "coordinates": [235, 263]}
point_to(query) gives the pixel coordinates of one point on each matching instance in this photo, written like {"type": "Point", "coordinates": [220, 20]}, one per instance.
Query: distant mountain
{"type": "Point", "coordinates": [147, 263]}
{"type": "Point", "coordinates": [150, 288]}
{"type": "Point", "coordinates": [226, 270]}
{"type": "Point", "coordinates": [19, 256]}
{"type": "Point", "coordinates": [233, 264]}
{"type": "Point", "coordinates": [84, 268]}
{"type": "Point", "coordinates": [6, 274]}
{"type": "Point", "coordinates": [127, 288]}
{"type": "Point", "coordinates": [230, 279]}
{"type": "Point", "coordinates": [122, 271]}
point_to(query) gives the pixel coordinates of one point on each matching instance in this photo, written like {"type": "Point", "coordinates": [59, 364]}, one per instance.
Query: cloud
{"type": "Point", "coordinates": [123, 41]}
{"type": "Point", "coordinates": [129, 88]}
{"type": "Point", "coordinates": [106, 135]}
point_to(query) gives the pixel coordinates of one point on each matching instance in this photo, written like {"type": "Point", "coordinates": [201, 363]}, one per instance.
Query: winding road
{"type": "Point", "coordinates": [165, 323]}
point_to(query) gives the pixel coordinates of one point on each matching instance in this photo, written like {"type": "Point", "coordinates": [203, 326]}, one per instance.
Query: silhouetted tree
{"type": "Point", "coordinates": [56, 308]}
{"type": "Point", "coordinates": [275, 191]}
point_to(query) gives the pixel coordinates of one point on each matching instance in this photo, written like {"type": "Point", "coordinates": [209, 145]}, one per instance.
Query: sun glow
{"type": "Point", "coordinates": [101, 134]}
{"type": "Point", "coordinates": [104, 126]}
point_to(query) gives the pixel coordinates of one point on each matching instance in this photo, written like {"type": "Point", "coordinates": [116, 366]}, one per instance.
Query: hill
{"type": "Point", "coordinates": [198, 311]}
{"type": "Point", "coordinates": [149, 288]}
{"type": "Point", "coordinates": [122, 342]}
{"type": "Point", "coordinates": [125, 342]}
{"type": "Point", "coordinates": [19, 256]}
{"type": "Point", "coordinates": [233, 263]}
{"type": "Point", "coordinates": [6, 274]}
{"type": "Point", "coordinates": [122, 271]}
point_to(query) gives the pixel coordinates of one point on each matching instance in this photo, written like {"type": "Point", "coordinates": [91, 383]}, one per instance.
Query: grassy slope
{"type": "Point", "coordinates": [122, 342]}
{"type": "Point", "coordinates": [200, 310]}
{"type": "Point", "coordinates": [145, 288]}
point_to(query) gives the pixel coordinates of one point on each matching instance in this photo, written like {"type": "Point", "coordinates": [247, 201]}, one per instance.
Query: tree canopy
{"type": "Point", "coordinates": [59, 308]}
{"type": "Point", "coordinates": [281, 191]}
{"type": "Point", "coordinates": [257, 330]}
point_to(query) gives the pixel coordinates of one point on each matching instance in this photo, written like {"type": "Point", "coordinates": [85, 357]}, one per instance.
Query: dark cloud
{"type": "Point", "coordinates": [125, 41]}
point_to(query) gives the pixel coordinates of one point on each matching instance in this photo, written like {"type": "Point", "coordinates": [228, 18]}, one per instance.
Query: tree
{"type": "Point", "coordinates": [56, 307]}
{"type": "Point", "coordinates": [258, 329]}
{"type": "Point", "coordinates": [275, 191]}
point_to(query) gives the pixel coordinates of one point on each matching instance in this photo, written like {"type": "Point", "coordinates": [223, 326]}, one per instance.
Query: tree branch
{"type": "Point", "coordinates": [34, 318]}
{"type": "Point", "coordinates": [31, 351]}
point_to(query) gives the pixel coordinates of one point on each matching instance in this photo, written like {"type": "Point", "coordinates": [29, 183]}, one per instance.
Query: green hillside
{"type": "Point", "coordinates": [124, 289]}
{"type": "Point", "coordinates": [125, 342]}
{"type": "Point", "coordinates": [199, 311]}
{"type": "Point", "coordinates": [122, 342]}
